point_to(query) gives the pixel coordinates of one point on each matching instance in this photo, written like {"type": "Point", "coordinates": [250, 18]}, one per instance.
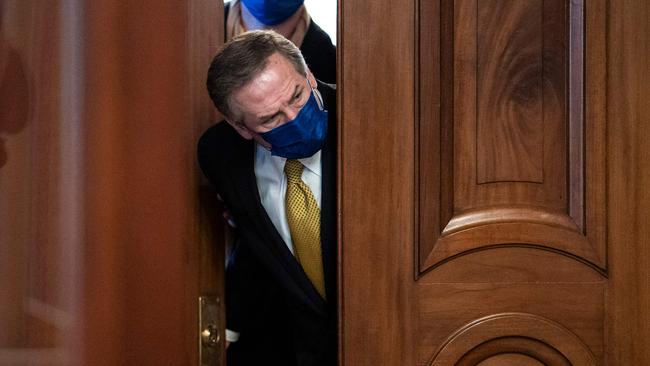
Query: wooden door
{"type": "Point", "coordinates": [106, 239]}
{"type": "Point", "coordinates": [492, 190]}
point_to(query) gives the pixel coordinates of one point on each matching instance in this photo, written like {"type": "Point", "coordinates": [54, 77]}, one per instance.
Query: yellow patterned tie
{"type": "Point", "coordinates": [303, 216]}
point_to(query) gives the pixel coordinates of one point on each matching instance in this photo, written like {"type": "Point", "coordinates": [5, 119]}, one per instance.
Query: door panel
{"type": "Point", "coordinates": [40, 235]}
{"type": "Point", "coordinates": [148, 239]}
{"type": "Point", "coordinates": [517, 185]}
{"type": "Point", "coordinates": [105, 246]}
{"type": "Point", "coordinates": [509, 167]}
{"type": "Point", "coordinates": [476, 183]}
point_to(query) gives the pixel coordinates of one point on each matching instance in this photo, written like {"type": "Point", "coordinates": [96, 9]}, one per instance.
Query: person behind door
{"type": "Point", "coordinates": [274, 163]}
{"type": "Point", "coordinates": [291, 19]}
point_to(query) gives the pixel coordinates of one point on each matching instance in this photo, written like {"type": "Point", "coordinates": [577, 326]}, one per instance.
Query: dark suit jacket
{"type": "Point", "coordinates": [317, 49]}
{"type": "Point", "coordinates": [269, 299]}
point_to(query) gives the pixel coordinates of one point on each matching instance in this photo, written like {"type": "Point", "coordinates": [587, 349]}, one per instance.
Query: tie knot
{"type": "Point", "coordinates": [293, 170]}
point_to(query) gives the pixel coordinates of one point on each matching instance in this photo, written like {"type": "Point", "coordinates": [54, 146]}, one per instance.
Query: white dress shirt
{"type": "Point", "coordinates": [272, 186]}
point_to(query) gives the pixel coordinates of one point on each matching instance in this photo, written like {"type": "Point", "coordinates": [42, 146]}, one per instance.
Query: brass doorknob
{"type": "Point", "coordinates": [210, 336]}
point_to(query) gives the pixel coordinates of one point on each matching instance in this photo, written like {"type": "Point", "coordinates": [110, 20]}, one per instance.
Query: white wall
{"type": "Point", "coordinates": [323, 12]}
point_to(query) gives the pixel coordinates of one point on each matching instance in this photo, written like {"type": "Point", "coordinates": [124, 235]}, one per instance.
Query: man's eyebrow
{"type": "Point", "coordinates": [266, 118]}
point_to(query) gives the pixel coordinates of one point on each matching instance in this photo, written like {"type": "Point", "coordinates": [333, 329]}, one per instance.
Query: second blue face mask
{"type": "Point", "coordinates": [302, 137]}
{"type": "Point", "coordinates": [272, 12]}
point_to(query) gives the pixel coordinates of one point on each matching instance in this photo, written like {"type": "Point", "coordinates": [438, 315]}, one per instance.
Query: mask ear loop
{"type": "Point", "coordinates": [319, 97]}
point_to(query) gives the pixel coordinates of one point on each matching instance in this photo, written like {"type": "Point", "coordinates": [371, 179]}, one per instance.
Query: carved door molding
{"type": "Point", "coordinates": [493, 174]}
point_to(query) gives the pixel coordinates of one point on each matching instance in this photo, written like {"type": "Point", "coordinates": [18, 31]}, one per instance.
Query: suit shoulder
{"type": "Point", "coordinates": [316, 37]}
{"type": "Point", "coordinates": [319, 53]}
{"type": "Point", "coordinates": [214, 145]}
{"type": "Point", "coordinates": [216, 137]}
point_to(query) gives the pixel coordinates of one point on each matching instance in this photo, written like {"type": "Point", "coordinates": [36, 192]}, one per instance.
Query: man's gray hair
{"type": "Point", "coordinates": [241, 59]}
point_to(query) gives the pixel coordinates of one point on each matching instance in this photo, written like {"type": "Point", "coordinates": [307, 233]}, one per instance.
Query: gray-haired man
{"type": "Point", "coordinates": [274, 165]}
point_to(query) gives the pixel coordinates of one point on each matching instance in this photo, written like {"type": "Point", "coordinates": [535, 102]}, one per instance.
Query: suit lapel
{"type": "Point", "coordinates": [245, 184]}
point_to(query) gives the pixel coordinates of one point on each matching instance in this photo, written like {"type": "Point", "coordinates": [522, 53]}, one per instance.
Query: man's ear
{"type": "Point", "coordinates": [247, 134]}
{"type": "Point", "coordinates": [312, 80]}
{"type": "Point", "coordinates": [240, 128]}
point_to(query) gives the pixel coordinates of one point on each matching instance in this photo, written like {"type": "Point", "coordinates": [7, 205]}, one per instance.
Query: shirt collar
{"type": "Point", "coordinates": [312, 163]}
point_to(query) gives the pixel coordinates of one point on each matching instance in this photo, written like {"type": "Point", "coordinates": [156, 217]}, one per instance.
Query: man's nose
{"type": "Point", "coordinates": [291, 113]}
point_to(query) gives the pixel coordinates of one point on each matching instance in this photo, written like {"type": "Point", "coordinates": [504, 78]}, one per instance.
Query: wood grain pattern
{"type": "Point", "coordinates": [572, 249]}
{"type": "Point", "coordinates": [104, 247]}
{"type": "Point", "coordinates": [449, 312]}
{"type": "Point", "coordinates": [576, 111]}
{"type": "Point", "coordinates": [514, 264]}
{"type": "Point", "coordinates": [376, 116]}
{"type": "Point", "coordinates": [467, 194]}
{"type": "Point", "coordinates": [205, 259]}
{"type": "Point", "coordinates": [628, 133]}
{"type": "Point", "coordinates": [510, 359]}
{"type": "Point", "coordinates": [433, 180]}
{"type": "Point", "coordinates": [531, 210]}
{"type": "Point", "coordinates": [500, 163]}
{"type": "Point", "coordinates": [537, 338]}
{"type": "Point", "coordinates": [596, 18]}
{"type": "Point", "coordinates": [514, 351]}
{"type": "Point", "coordinates": [510, 106]}
{"type": "Point", "coordinates": [39, 232]}
{"type": "Point", "coordinates": [514, 279]}
{"type": "Point", "coordinates": [144, 234]}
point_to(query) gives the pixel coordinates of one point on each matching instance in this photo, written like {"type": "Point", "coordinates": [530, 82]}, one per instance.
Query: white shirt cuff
{"type": "Point", "coordinates": [231, 336]}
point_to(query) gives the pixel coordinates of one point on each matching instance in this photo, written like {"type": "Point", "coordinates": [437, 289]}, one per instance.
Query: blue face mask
{"type": "Point", "coordinates": [272, 12]}
{"type": "Point", "coordinates": [302, 137]}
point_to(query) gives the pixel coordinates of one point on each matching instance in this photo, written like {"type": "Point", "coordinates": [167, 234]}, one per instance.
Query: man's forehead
{"type": "Point", "coordinates": [276, 79]}
{"type": "Point", "coordinates": [276, 66]}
